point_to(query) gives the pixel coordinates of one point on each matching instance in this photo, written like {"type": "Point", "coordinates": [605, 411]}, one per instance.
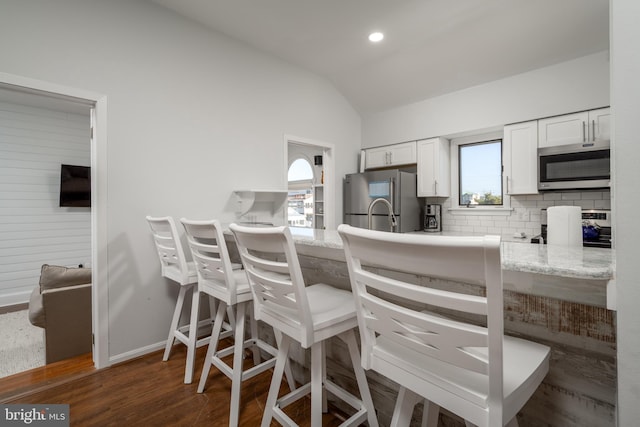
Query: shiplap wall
{"type": "Point", "coordinates": [34, 230]}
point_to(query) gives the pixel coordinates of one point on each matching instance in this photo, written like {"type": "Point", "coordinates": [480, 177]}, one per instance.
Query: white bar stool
{"type": "Point", "coordinates": [175, 267]}
{"type": "Point", "coordinates": [473, 371]}
{"type": "Point", "coordinates": [309, 315]}
{"type": "Point", "coordinates": [228, 284]}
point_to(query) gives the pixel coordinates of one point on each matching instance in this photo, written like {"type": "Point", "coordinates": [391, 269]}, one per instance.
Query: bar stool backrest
{"type": "Point", "coordinates": [211, 257]}
{"type": "Point", "coordinates": [450, 262]}
{"type": "Point", "coordinates": [271, 261]}
{"type": "Point", "coordinates": [173, 263]}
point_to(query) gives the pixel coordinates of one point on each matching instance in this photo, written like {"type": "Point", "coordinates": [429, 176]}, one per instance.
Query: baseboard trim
{"type": "Point", "coordinates": [204, 331]}
{"type": "Point", "coordinates": [16, 298]}
{"type": "Point", "coordinates": [138, 352]}
{"type": "Point", "coordinates": [14, 307]}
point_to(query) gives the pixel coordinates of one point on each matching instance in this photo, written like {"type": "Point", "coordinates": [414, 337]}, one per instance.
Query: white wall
{"type": "Point", "coordinates": [34, 229]}
{"type": "Point", "coordinates": [625, 102]}
{"type": "Point", "coordinates": [192, 115]}
{"type": "Point", "coordinates": [576, 85]}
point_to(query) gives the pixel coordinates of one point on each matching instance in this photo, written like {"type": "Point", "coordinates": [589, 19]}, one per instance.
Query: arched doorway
{"type": "Point", "coordinates": [300, 206]}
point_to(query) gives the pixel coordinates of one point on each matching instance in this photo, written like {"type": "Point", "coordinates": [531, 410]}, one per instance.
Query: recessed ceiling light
{"type": "Point", "coordinates": [376, 37]}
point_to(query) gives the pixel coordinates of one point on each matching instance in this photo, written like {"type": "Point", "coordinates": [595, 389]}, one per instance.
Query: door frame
{"type": "Point", "coordinates": [328, 164]}
{"type": "Point", "coordinates": [99, 295]}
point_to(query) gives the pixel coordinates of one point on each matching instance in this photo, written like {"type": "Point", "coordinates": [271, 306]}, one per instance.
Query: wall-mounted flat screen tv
{"type": "Point", "coordinates": [75, 186]}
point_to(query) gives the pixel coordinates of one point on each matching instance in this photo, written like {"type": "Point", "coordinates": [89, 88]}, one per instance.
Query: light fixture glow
{"type": "Point", "coordinates": [376, 37]}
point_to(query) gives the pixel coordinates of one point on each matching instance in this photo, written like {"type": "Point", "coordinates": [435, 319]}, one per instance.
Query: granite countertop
{"type": "Point", "coordinates": [517, 255]}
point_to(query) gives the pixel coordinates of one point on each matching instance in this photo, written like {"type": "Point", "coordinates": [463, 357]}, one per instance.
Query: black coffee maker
{"type": "Point", "coordinates": [432, 218]}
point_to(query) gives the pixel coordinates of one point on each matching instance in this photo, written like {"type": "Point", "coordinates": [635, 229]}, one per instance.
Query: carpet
{"type": "Point", "coordinates": [21, 344]}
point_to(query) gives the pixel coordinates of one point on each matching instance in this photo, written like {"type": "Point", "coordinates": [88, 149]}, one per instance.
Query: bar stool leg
{"type": "Point", "coordinates": [193, 336]}
{"type": "Point", "coordinates": [253, 323]}
{"type": "Point", "coordinates": [231, 316]}
{"type": "Point", "coordinates": [213, 344]}
{"type": "Point", "coordinates": [349, 337]}
{"type": "Point", "coordinates": [174, 322]}
{"type": "Point", "coordinates": [274, 388]}
{"type": "Point", "coordinates": [404, 407]}
{"type": "Point", "coordinates": [316, 384]}
{"type": "Point", "coordinates": [213, 308]}
{"type": "Point", "coordinates": [236, 380]}
{"type": "Point", "coordinates": [287, 369]}
{"type": "Point", "coordinates": [324, 376]}
{"type": "Point", "coordinates": [430, 414]}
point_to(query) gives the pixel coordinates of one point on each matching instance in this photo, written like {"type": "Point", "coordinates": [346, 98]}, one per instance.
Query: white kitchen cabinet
{"type": "Point", "coordinates": [578, 128]}
{"type": "Point", "coordinates": [434, 177]}
{"type": "Point", "coordinates": [600, 121]}
{"type": "Point", "coordinates": [520, 158]}
{"type": "Point", "coordinates": [391, 155]}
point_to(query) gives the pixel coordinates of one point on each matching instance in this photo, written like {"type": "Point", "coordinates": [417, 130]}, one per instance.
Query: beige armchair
{"type": "Point", "coordinates": [61, 305]}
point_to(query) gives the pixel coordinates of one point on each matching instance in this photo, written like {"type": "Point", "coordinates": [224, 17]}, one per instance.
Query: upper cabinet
{"type": "Point", "coordinates": [391, 155]}
{"type": "Point", "coordinates": [600, 121]}
{"type": "Point", "coordinates": [519, 158]}
{"type": "Point", "coordinates": [433, 168]}
{"type": "Point", "coordinates": [577, 128]}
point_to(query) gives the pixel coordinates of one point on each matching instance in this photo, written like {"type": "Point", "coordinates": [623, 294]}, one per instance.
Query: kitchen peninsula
{"type": "Point", "coordinates": [554, 296]}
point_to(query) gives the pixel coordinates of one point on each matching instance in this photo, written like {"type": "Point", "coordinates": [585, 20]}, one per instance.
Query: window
{"type": "Point", "coordinates": [300, 170]}
{"type": "Point", "coordinates": [480, 173]}
{"type": "Point", "coordinates": [476, 175]}
{"type": "Point", "coordinates": [300, 198]}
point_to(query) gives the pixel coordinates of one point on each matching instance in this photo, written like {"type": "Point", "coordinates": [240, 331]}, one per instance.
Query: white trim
{"type": "Point", "coordinates": [99, 236]}
{"type": "Point", "coordinates": [456, 208]}
{"type": "Point", "coordinates": [137, 352]}
{"type": "Point", "coordinates": [100, 300]}
{"type": "Point", "coordinates": [329, 174]}
{"type": "Point", "coordinates": [38, 85]}
{"type": "Point", "coordinates": [15, 298]}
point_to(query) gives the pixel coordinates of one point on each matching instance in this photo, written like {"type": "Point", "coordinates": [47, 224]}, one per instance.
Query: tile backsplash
{"type": "Point", "coordinates": [525, 216]}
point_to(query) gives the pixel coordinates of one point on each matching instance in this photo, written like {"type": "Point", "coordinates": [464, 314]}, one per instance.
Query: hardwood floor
{"type": "Point", "coordinates": [147, 391]}
{"type": "Point", "coordinates": [33, 380]}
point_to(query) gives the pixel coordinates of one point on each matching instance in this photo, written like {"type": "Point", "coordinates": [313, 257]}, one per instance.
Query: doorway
{"type": "Point", "coordinates": [41, 138]}
{"type": "Point", "coordinates": [310, 170]}
{"type": "Point", "coordinates": [55, 96]}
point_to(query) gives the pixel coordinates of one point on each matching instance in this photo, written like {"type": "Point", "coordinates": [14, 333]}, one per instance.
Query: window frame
{"type": "Point", "coordinates": [456, 207]}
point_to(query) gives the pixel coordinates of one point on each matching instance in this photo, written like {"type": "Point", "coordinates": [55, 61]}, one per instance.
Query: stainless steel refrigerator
{"type": "Point", "coordinates": [396, 187]}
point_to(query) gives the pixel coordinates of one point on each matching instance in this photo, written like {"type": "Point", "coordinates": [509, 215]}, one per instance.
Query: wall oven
{"type": "Point", "coordinates": [571, 167]}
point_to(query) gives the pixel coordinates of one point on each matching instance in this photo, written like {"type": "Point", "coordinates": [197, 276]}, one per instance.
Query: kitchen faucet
{"type": "Point", "coordinates": [392, 218]}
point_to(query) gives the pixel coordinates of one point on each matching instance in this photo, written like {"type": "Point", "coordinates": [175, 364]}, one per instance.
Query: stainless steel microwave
{"type": "Point", "coordinates": [569, 167]}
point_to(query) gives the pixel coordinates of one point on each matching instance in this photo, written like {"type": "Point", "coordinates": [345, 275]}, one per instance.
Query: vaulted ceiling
{"type": "Point", "coordinates": [431, 47]}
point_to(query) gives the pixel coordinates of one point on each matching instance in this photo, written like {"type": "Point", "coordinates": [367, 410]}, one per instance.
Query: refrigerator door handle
{"type": "Point", "coordinates": [391, 194]}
